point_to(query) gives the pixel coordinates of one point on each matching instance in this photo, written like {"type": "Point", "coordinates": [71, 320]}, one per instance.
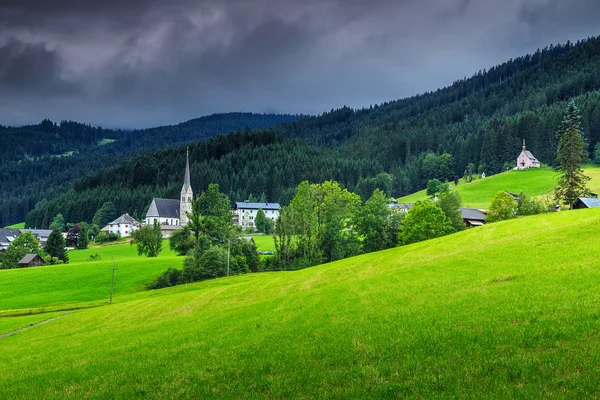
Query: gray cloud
{"type": "Point", "coordinates": [140, 63]}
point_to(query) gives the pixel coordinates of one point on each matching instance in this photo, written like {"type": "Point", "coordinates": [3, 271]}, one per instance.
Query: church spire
{"type": "Point", "coordinates": [186, 178]}
{"type": "Point", "coordinates": [523, 144]}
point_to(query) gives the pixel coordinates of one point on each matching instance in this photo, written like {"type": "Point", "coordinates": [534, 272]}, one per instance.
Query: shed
{"type": "Point", "coordinates": [31, 260]}
{"type": "Point", "coordinates": [586, 202]}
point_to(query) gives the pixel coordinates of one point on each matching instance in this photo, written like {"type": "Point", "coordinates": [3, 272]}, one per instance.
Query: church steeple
{"type": "Point", "coordinates": [186, 177]}
{"type": "Point", "coordinates": [523, 144]}
{"type": "Point", "coordinates": [185, 204]}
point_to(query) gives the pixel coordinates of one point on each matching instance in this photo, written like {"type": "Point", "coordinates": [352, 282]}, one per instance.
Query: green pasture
{"type": "Point", "coordinates": [82, 281]}
{"type": "Point", "coordinates": [535, 182]}
{"type": "Point", "coordinates": [508, 310]}
{"type": "Point", "coordinates": [264, 242]}
{"type": "Point", "coordinates": [17, 226]}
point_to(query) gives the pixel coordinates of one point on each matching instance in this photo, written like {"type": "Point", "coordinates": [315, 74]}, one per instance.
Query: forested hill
{"type": "Point", "coordinates": [242, 163]}
{"type": "Point", "coordinates": [480, 121]}
{"type": "Point", "coordinates": [40, 161]}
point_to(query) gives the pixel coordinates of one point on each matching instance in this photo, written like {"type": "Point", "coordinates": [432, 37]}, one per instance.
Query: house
{"type": "Point", "coordinates": [245, 212]}
{"type": "Point", "coordinates": [40, 234]}
{"type": "Point", "coordinates": [6, 237]}
{"type": "Point", "coordinates": [171, 213]}
{"type": "Point", "coordinates": [403, 208]}
{"type": "Point", "coordinates": [472, 216]}
{"type": "Point", "coordinates": [527, 160]}
{"type": "Point", "coordinates": [31, 260]}
{"type": "Point", "coordinates": [123, 226]}
{"type": "Point", "coordinates": [585, 202]}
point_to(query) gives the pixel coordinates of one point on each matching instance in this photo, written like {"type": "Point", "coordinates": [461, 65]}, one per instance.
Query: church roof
{"type": "Point", "coordinates": [125, 219]}
{"type": "Point", "coordinates": [529, 155]}
{"type": "Point", "coordinates": [246, 205]}
{"type": "Point", "coordinates": [163, 208]}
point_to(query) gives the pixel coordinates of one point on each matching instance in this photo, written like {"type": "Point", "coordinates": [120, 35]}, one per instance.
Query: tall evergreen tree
{"type": "Point", "coordinates": [55, 246]}
{"type": "Point", "coordinates": [105, 214]}
{"type": "Point", "coordinates": [571, 155]}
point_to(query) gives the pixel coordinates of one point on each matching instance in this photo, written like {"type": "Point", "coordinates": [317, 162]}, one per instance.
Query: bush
{"type": "Point", "coordinates": [503, 207]}
{"type": "Point", "coordinates": [181, 241]}
{"type": "Point", "coordinates": [95, 257]}
{"type": "Point", "coordinates": [527, 205]}
{"type": "Point", "coordinates": [424, 221]}
{"type": "Point", "coordinates": [170, 277]}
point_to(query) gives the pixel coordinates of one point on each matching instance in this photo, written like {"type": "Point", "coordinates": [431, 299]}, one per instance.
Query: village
{"type": "Point", "coordinates": [172, 214]}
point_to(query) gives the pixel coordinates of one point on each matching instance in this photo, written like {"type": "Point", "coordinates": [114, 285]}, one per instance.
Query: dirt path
{"type": "Point", "coordinates": [33, 326]}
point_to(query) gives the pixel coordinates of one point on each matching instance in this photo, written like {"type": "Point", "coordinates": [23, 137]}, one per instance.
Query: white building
{"type": "Point", "coordinates": [245, 212]}
{"type": "Point", "coordinates": [171, 213]}
{"type": "Point", "coordinates": [123, 226]}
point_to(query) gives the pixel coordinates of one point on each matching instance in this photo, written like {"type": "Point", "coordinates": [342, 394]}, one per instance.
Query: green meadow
{"type": "Point", "coordinates": [17, 226]}
{"type": "Point", "coordinates": [508, 310]}
{"type": "Point", "coordinates": [264, 242]}
{"type": "Point", "coordinates": [82, 282]}
{"type": "Point", "coordinates": [535, 182]}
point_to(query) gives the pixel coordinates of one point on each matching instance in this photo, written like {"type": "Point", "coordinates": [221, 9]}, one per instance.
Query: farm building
{"type": "Point", "coordinates": [31, 260]}
{"type": "Point", "coordinates": [472, 216]}
{"type": "Point", "coordinates": [584, 202]}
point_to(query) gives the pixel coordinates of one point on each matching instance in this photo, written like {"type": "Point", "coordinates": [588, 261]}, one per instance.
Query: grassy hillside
{"type": "Point", "coordinates": [17, 226]}
{"type": "Point", "coordinates": [494, 312]}
{"type": "Point", "coordinates": [536, 182]}
{"type": "Point", "coordinates": [82, 281]}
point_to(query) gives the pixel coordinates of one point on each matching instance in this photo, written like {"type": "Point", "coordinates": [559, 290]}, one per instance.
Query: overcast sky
{"type": "Point", "coordinates": [136, 63]}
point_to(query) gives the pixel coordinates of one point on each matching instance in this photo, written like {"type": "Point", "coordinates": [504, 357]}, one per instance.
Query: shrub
{"type": "Point", "coordinates": [424, 221]}
{"type": "Point", "coordinates": [503, 207]}
{"type": "Point", "coordinates": [170, 277]}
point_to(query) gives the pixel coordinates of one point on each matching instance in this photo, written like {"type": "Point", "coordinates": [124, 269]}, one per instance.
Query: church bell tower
{"type": "Point", "coordinates": [185, 204]}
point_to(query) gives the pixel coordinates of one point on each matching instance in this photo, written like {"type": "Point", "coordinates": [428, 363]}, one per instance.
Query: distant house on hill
{"type": "Point", "coordinates": [402, 207]}
{"type": "Point", "coordinates": [245, 212]}
{"type": "Point", "coordinates": [31, 260]}
{"type": "Point", "coordinates": [472, 216]}
{"type": "Point", "coordinates": [123, 226]}
{"type": "Point", "coordinates": [527, 160]}
{"type": "Point", "coordinates": [584, 202]}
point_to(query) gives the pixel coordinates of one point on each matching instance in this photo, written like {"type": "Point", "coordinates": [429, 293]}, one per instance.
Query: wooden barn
{"type": "Point", "coordinates": [31, 260]}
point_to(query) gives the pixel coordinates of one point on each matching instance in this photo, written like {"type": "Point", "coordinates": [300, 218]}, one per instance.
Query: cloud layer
{"type": "Point", "coordinates": [142, 63]}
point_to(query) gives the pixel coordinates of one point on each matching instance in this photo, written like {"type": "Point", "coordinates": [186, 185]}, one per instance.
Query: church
{"type": "Point", "coordinates": [526, 159]}
{"type": "Point", "coordinates": [170, 213]}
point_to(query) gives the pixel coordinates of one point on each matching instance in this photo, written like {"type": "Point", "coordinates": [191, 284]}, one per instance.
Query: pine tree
{"type": "Point", "coordinates": [571, 155]}
{"type": "Point", "coordinates": [261, 223]}
{"type": "Point", "coordinates": [55, 246]}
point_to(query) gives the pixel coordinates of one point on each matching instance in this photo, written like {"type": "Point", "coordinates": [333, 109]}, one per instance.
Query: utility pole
{"type": "Point", "coordinates": [228, 254]}
{"type": "Point", "coordinates": [112, 286]}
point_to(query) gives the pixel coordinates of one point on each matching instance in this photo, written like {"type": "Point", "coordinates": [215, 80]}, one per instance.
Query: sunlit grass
{"type": "Point", "coordinates": [502, 311]}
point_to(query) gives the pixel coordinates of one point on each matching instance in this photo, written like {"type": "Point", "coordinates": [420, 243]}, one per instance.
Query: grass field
{"type": "Point", "coordinates": [501, 311]}
{"type": "Point", "coordinates": [17, 226]}
{"type": "Point", "coordinates": [82, 281]}
{"type": "Point", "coordinates": [535, 182]}
{"type": "Point", "coordinates": [264, 242]}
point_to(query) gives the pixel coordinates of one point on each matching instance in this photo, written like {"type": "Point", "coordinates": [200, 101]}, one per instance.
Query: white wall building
{"type": "Point", "coordinates": [245, 213]}
{"type": "Point", "coordinates": [123, 226]}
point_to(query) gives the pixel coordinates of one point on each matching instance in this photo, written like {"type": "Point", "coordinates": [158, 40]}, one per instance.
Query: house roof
{"type": "Point", "coordinates": [7, 236]}
{"type": "Point", "coordinates": [590, 203]}
{"type": "Point", "coordinates": [125, 219]}
{"type": "Point", "coordinates": [28, 258]}
{"type": "Point", "coordinates": [41, 233]}
{"type": "Point", "coordinates": [163, 208]}
{"type": "Point", "coordinates": [401, 206]}
{"type": "Point", "coordinates": [472, 214]}
{"type": "Point", "coordinates": [246, 205]}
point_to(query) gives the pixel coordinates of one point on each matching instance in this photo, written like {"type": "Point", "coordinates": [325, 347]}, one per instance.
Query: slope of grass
{"type": "Point", "coordinates": [264, 242]}
{"type": "Point", "coordinates": [82, 281]}
{"type": "Point", "coordinates": [494, 312]}
{"type": "Point", "coordinates": [9, 324]}
{"type": "Point", "coordinates": [535, 182]}
{"type": "Point", "coordinates": [17, 226]}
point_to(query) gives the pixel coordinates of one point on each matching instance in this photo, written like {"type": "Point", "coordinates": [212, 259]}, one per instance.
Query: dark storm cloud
{"type": "Point", "coordinates": [139, 63]}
